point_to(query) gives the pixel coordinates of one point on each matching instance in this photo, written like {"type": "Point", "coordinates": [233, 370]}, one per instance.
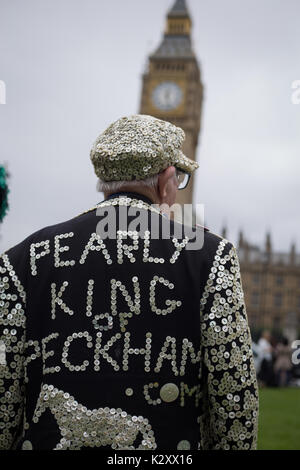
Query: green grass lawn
{"type": "Point", "coordinates": [279, 419]}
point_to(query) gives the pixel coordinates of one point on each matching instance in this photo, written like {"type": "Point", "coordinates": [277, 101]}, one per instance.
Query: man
{"type": "Point", "coordinates": [266, 372]}
{"type": "Point", "coordinates": [117, 334]}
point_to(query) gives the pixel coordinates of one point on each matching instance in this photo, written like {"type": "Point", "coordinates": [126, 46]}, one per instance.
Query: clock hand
{"type": "Point", "coordinates": [167, 96]}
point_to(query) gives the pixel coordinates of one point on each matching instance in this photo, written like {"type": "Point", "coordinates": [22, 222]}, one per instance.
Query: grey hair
{"type": "Point", "coordinates": [116, 186]}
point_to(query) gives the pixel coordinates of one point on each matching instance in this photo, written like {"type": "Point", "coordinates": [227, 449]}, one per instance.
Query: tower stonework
{"type": "Point", "coordinates": [172, 88]}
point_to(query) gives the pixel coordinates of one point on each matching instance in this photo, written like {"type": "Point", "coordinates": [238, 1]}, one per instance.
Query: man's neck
{"type": "Point", "coordinates": [146, 194]}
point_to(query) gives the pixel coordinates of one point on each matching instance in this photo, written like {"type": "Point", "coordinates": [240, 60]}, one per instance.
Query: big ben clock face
{"type": "Point", "coordinates": [167, 96]}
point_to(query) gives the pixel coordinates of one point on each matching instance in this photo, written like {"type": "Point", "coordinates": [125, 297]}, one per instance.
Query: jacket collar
{"type": "Point", "coordinates": [131, 195]}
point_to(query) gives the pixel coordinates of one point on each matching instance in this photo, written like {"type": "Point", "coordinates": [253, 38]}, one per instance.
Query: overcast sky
{"type": "Point", "coordinates": [71, 67]}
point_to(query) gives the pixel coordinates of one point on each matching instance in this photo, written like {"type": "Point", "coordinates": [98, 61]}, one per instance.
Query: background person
{"type": "Point", "coordinates": [283, 363]}
{"type": "Point", "coordinates": [266, 373]}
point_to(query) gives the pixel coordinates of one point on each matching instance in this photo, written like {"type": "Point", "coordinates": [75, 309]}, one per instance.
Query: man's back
{"type": "Point", "coordinates": [128, 342]}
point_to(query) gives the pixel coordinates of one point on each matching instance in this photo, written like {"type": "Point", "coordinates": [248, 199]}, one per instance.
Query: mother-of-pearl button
{"type": "Point", "coordinates": [183, 445]}
{"type": "Point", "coordinates": [26, 445]}
{"type": "Point", "coordinates": [169, 392]}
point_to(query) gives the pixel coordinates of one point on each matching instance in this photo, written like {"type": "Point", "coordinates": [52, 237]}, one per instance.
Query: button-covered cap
{"type": "Point", "coordinates": [137, 147]}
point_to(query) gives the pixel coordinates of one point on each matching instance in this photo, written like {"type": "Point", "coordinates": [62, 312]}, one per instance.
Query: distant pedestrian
{"type": "Point", "coordinates": [266, 374]}
{"type": "Point", "coordinates": [283, 364]}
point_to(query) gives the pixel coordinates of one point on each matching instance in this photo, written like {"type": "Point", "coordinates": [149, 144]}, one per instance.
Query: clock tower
{"type": "Point", "coordinates": [172, 88]}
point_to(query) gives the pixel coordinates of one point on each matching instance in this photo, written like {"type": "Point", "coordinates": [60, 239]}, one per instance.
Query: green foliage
{"type": "Point", "coordinates": [256, 333]}
{"type": "Point", "coordinates": [279, 419]}
{"type": "Point", "coordinates": [277, 334]}
{"type": "Point", "coordinates": [3, 193]}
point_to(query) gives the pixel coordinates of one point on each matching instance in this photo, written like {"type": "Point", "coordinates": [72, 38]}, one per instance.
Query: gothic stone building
{"type": "Point", "coordinates": [271, 282]}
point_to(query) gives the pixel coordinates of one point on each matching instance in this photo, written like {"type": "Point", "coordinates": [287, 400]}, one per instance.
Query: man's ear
{"type": "Point", "coordinates": [163, 179]}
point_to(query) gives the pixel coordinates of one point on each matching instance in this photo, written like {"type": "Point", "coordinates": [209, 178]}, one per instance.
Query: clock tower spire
{"type": "Point", "coordinates": [179, 20]}
{"type": "Point", "coordinates": [172, 88]}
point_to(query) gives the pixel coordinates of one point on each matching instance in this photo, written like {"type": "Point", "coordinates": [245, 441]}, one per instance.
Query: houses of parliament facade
{"type": "Point", "coordinates": [172, 90]}
{"type": "Point", "coordinates": [271, 282]}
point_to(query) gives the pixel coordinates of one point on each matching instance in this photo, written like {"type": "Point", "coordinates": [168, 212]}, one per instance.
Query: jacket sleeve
{"type": "Point", "coordinates": [12, 338]}
{"type": "Point", "coordinates": [229, 417]}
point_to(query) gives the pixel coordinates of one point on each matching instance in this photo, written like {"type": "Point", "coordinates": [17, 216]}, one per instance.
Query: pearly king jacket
{"type": "Point", "coordinates": [132, 341]}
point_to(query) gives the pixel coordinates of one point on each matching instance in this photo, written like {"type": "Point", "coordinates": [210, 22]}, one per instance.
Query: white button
{"type": "Point", "coordinates": [183, 445]}
{"type": "Point", "coordinates": [169, 392]}
{"type": "Point", "coordinates": [26, 445]}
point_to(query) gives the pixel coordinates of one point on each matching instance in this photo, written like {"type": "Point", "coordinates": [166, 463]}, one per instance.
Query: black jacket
{"type": "Point", "coordinates": [125, 343]}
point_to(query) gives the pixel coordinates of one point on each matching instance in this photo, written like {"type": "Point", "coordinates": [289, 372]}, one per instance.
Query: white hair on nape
{"type": "Point", "coordinates": [116, 186]}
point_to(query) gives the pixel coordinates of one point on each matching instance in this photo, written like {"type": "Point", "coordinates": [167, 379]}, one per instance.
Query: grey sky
{"type": "Point", "coordinates": [71, 67]}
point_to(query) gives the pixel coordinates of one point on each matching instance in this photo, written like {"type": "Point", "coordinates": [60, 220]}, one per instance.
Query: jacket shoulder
{"type": "Point", "coordinates": [213, 241]}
